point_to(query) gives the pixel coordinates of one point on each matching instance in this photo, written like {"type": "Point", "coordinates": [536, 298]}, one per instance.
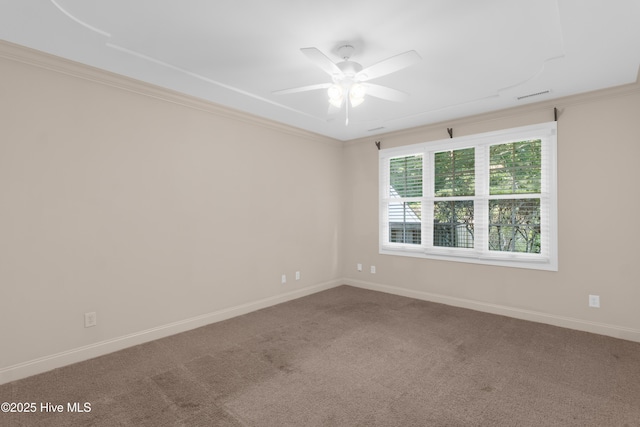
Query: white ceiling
{"type": "Point", "coordinates": [477, 56]}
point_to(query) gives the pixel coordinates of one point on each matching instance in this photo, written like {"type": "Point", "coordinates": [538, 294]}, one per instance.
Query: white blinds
{"type": "Point", "coordinates": [488, 198]}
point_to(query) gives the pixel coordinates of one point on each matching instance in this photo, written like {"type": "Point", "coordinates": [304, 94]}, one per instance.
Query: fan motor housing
{"type": "Point", "coordinates": [349, 68]}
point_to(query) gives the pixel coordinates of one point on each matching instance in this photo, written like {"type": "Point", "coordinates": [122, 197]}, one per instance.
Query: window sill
{"type": "Point", "coordinates": [508, 260]}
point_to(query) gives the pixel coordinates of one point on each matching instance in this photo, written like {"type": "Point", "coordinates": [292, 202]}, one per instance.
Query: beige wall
{"type": "Point", "coordinates": [148, 208]}
{"type": "Point", "coordinates": [599, 239]}
{"type": "Point", "coordinates": [163, 213]}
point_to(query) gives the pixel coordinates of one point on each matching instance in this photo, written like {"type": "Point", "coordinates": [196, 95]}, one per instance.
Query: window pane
{"type": "Point", "coordinates": [514, 225]}
{"type": "Point", "coordinates": [405, 223]}
{"type": "Point", "coordinates": [515, 168]}
{"type": "Point", "coordinates": [453, 224]}
{"type": "Point", "coordinates": [406, 176]}
{"type": "Point", "coordinates": [455, 173]}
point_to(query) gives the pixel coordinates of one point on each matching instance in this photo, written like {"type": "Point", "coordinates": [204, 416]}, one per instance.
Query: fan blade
{"type": "Point", "coordinates": [384, 92]}
{"type": "Point", "coordinates": [388, 66]}
{"type": "Point", "coordinates": [302, 89]}
{"type": "Point", "coordinates": [321, 60]}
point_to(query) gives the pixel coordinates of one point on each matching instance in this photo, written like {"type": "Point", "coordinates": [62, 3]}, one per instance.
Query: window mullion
{"type": "Point", "coordinates": [428, 171]}
{"type": "Point", "coordinates": [481, 199]}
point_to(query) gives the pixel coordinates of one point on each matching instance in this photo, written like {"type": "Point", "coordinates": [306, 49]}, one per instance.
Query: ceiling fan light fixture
{"type": "Point", "coordinates": [356, 94]}
{"type": "Point", "coordinates": [335, 95]}
{"type": "Point", "coordinates": [350, 79]}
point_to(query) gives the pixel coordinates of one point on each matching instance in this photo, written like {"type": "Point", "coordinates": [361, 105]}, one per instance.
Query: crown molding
{"type": "Point", "coordinates": [537, 108]}
{"type": "Point", "coordinates": [35, 58]}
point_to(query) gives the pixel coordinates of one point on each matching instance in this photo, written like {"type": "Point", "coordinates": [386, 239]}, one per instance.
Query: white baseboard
{"type": "Point", "coordinates": [615, 331]}
{"type": "Point", "coordinates": [47, 363]}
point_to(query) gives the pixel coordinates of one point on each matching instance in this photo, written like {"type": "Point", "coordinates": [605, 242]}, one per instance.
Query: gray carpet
{"type": "Point", "coordinates": [350, 357]}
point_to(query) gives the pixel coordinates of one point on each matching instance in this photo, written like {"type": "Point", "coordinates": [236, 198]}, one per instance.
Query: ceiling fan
{"type": "Point", "coordinates": [350, 80]}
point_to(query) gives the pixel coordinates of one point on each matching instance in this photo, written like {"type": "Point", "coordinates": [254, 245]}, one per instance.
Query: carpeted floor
{"type": "Point", "coordinates": [350, 357]}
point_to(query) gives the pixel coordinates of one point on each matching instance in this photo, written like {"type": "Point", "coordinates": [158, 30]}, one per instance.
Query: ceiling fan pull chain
{"type": "Point", "coordinates": [346, 109]}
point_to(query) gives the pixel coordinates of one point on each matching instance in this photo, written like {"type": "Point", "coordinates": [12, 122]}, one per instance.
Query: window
{"type": "Point", "coordinates": [488, 198]}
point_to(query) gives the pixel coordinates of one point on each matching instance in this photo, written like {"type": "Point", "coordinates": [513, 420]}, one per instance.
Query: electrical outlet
{"type": "Point", "coordinates": [284, 278]}
{"type": "Point", "coordinates": [359, 266]}
{"type": "Point", "coordinates": [90, 319]}
{"type": "Point", "coordinates": [594, 301]}
{"type": "Point", "coordinates": [373, 269]}
{"type": "Point", "coordinates": [297, 275]}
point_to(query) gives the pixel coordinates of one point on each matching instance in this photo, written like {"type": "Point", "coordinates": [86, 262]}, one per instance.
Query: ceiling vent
{"type": "Point", "coordinates": [533, 94]}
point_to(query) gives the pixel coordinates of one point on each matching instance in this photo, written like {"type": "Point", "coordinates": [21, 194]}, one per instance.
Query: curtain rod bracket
{"type": "Point", "coordinates": [450, 130]}
{"type": "Point", "coordinates": [378, 144]}
{"type": "Point", "coordinates": [555, 114]}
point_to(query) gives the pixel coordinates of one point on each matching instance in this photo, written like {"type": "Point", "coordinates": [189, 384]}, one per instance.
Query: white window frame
{"type": "Point", "coordinates": [547, 259]}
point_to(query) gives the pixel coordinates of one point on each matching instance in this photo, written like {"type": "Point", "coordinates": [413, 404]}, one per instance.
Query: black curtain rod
{"type": "Point", "coordinates": [450, 130]}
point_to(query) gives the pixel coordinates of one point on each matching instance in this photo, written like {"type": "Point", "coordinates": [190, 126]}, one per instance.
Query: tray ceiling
{"type": "Point", "coordinates": [476, 56]}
